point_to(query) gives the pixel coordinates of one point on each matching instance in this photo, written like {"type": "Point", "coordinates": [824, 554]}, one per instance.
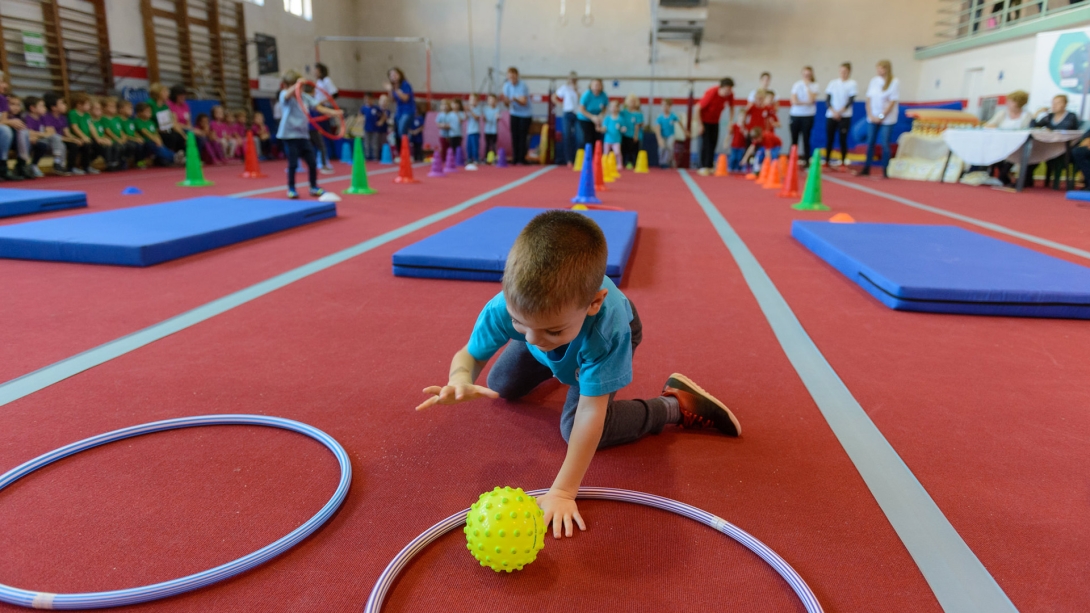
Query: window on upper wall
{"type": "Point", "coordinates": [257, 2]}
{"type": "Point", "coordinates": [299, 8]}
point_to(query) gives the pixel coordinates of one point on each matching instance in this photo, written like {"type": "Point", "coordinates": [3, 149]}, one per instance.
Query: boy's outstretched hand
{"type": "Point", "coordinates": [560, 509]}
{"type": "Point", "coordinates": [455, 393]}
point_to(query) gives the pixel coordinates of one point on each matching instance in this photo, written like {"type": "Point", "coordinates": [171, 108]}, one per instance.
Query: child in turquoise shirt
{"type": "Point", "coordinates": [560, 316]}
{"type": "Point", "coordinates": [613, 124]}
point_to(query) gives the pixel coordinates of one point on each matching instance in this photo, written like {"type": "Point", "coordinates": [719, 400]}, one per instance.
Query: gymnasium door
{"type": "Point", "coordinates": [971, 89]}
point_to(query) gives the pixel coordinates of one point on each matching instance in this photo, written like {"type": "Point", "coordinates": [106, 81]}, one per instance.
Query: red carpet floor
{"type": "Point", "coordinates": [987, 412]}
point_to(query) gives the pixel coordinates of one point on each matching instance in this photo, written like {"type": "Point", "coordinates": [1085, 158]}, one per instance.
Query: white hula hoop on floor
{"type": "Point", "coordinates": [386, 579]}
{"type": "Point", "coordinates": [116, 598]}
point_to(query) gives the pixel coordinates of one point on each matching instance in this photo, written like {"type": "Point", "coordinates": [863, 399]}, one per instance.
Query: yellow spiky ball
{"type": "Point", "coordinates": [505, 529]}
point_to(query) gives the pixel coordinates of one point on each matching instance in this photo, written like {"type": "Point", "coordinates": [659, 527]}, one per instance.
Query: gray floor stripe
{"type": "Point", "coordinates": [970, 220]}
{"type": "Point", "coordinates": [44, 377]}
{"type": "Point", "coordinates": [956, 576]}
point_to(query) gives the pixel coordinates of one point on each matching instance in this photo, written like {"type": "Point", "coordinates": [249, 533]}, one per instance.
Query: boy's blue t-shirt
{"type": "Point", "coordinates": [491, 119]}
{"type": "Point", "coordinates": [418, 122]}
{"type": "Point", "coordinates": [594, 103]}
{"type": "Point", "coordinates": [599, 360]}
{"type": "Point", "coordinates": [371, 117]}
{"type": "Point", "coordinates": [666, 124]}
{"type": "Point", "coordinates": [613, 128]}
{"type": "Point", "coordinates": [632, 121]}
{"type": "Point", "coordinates": [450, 119]}
{"type": "Point", "coordinates": [472, 125]}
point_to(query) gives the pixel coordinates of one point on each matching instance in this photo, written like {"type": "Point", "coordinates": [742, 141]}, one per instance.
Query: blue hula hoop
{"type": "Point", "coordinates": [115, 598]}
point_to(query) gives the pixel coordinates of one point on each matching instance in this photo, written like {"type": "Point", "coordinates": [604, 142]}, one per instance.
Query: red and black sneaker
{"type": "Point", "coordinates": [699, 409]}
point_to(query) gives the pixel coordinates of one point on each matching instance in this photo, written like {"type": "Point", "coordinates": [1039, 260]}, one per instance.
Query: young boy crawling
{"type": "Point", "coordinates": [565, 318]}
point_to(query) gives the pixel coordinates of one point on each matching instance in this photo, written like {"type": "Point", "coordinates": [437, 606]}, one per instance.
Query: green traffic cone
{"type": "Point", "coordinates": [811, 194]}
{"type": "Point", "coordinates": [194, 174]}
{"type": "Point", "coordinates": [359, 172]}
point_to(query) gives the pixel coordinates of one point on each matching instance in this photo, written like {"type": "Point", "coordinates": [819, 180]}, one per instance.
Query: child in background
{"type": "Point", "coordinates": [456, 117]}
{"type": "Point", "coordinates": [665, 127]}
{"type": "Point", "coordinates": [559, 315]}
{"type": "Point", "coordinates": [321, 156]}
{"type": "Point", "coordinates": [443, 121]}
{"type": "Point", "coordinates": [416, 131]}
{"type": "Point", "coordinates": [473, 132]}
{"type": "Point", "coordinates": [176, 101]}
{"type": "Point", "coordinates": [758, 115]}
{"type": "Point", "coordinates": [148, 128]}
{"type": "Point", "coordinates": [112, 149]}
{"type": "Point", "coordinates": [44, 138]}
{"type": "Point", "coordinates": [614, 128]}
{"type": "Point", "coordinates": [738, 145]}
{"type": "Point", "coordinates": [294, 130]}
{"type": "Point", "coordinates": [491, 114]}
{"type": "Point", "coordinates": [236, 134]}
{"type": "Point", "coordinates": [57, 118]}
{"type": "Point", "coordinates": [79, 127]}
{"type": "Point", "coordinates": [219, 131]}
{"type": "Point", "coordinates": [374, 128]}
{"type": "Point", "coordinates": [388, 128]}
{"type": "Point", "coordinates": [23, 168]}
{"type": "Point", "coordinates": [110, 125]}
{"type": "Point", "coordinates": [206, 140]}
{"type": "Point", "coordinates": [262, 138]}
{"type": "Point", "coordinates": [632, 115]}
{"type": "Point", "coordinates": [143, 150]}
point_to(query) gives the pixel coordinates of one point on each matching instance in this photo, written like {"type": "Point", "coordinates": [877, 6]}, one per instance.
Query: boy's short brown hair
{"type": "Point", "coordinates": [558, 262]}
{"type": "Point", "coordinates": [79, 98]}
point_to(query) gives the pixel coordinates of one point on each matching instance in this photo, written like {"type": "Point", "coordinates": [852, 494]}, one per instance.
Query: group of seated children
{"type": "Point", "coordinates": [123, 135]}
{"type": "Point", "coordinates": [753, 135]}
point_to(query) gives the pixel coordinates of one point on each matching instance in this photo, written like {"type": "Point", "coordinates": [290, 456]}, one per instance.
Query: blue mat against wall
{"type": "Point", "coordinates": [476, 249]}
{"type": "Point", "coordinates": [946, 269]}
{"type": "Point", "coordinates": [26, 201]}
{"type": "Point", "coordinates": [146, 235]}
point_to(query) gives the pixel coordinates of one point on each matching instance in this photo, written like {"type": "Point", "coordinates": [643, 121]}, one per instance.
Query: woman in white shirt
{"type": "Point", "coordinates": [804, 95]}
{"type": "Point", "coordinates": [1014, 116]}
{"type": "Point", "coordinates": [882, 95]}
{"type": "Point", "coordinates": [567, 96]}
{"type": "Point", "coordinates": [840, 95]}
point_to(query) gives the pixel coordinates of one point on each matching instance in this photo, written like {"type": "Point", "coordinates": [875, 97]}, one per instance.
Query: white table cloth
{"type": "Point", "coordinates": [985, 147]}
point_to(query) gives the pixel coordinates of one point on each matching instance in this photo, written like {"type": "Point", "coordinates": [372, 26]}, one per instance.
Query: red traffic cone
{"type": "Point", "coordinates": [721, 165]}
{"type": "Point", "coordinates": [599, 180]}
{"type": "Point", "coordinates": [253, 170]}
{"type": "Point", "coordinates": [775, 175]}
{"type": "Point", "coordinates": [791, 181]}
{"type": "Point", "coordinates": [405, 171]}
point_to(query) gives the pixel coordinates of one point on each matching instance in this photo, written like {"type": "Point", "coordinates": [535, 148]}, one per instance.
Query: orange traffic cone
{"type": "Point", "coordinates": [791, 179]}
{"type": "Point", "coordinates": [599, 178]}
{"type": "Point", "coordinates": [766, 169]}
{"type": "Point", "coordinates": [253, 170]}
{"type": "Point", "coordinates": [775, 173]}
{"type": "Point", "coordinates": [842, 218]}
{"type": "Point", "coordinates": [405, 171]}
{"type": "Point", "coordinates": [721, 165]}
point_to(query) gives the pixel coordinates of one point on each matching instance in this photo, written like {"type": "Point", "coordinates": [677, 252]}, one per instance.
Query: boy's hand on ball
{"type": "Point", "coordinates": [560, 509]}
{"type": "Point", "coordinates": [455, 393]}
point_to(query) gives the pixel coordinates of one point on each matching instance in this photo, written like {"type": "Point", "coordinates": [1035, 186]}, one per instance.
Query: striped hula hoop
{"type": "Point", "coordinates": [116, 598]}
{"type": "Point", "coordinates": [386, 579]}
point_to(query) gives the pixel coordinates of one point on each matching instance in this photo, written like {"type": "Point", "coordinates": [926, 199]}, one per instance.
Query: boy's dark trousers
{"type": "Point", "coordinates": [517, 372]}
{"type": "Point", "coordinates": [300, 148]}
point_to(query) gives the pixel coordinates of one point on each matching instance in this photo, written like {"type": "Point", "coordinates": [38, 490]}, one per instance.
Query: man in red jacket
{"type": "Point", "coordinates": [710, 107]}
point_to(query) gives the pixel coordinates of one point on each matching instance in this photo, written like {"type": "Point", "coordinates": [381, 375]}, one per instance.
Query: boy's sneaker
{"type": "Point", "coordinates": [59, 171]}
{"type": "Point", "coordinates": [93, 171]}
{"type": "Point", "coordinates": [704, 172]}
{"type": "Point", "coordinates": [326, 170]}
{"type": "Point", "coordinates": [292, 194]}
{"type": "Point", "coordinates": [699, 409]}
{"type": "Point", "coordinates": [316, 191]}
{"type": "Point", "coordinates": [35, 171]}
{"type": "Point", "coordinates": [78, 172]}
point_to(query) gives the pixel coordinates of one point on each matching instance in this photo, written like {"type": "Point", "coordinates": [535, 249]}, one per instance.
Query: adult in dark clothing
{"type": "Point", "coordinates": [1056, 117]}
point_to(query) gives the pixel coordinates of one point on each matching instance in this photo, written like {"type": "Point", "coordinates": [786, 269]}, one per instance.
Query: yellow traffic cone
{"type": "Point", "coordinates": [609, 167]}
{"type": "Point", "coordinates": [579, 156]}
{"type": "Point", "coordinates": [641, 162]}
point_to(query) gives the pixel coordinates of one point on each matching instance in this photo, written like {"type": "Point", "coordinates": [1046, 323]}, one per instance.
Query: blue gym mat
{"type": "Point", "coordinates": [946, 269]}
{"type": "Point", "coordinates": [1079, 195]}
{"type": "Point", "coordinates": [146, 235]}
{"type": "Point", "coordinates": [476, 249]}
{"type": "Point", "coordinates": [27, 201]}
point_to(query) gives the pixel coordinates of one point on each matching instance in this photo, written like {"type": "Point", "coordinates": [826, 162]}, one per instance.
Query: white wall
{"type": "Point", "coordinates": [742, 38]}
{"type": "Point", "coordinates": [1007, 66]}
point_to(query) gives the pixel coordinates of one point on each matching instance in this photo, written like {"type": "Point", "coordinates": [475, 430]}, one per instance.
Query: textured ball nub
{"type": "Point", "coordinates": [504, 529]}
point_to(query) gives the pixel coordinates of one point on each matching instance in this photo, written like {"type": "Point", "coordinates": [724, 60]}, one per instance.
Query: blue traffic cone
{"type": "Point", "coordinates": [501, 158]}
{"type": "Point", "coordinates": [459, 157]}
{"type": "Point", "coordinates": [346, 152]}
{"type": "Point", "coordinates": [131, 191]}
{"type": "Point", "coordinates": [387, 157]}
{"type": "Point", "coordinates": [586, 181]}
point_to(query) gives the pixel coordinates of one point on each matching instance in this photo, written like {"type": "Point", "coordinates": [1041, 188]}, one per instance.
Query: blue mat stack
{"type": "Point", "coordinates": [146, 235]}
{"type": "Point", "coordinates": [27, 201]}
{"type": "Point", "coordinates": [946, 269]}
{"type": "Point", "coordinates": [476, 249]}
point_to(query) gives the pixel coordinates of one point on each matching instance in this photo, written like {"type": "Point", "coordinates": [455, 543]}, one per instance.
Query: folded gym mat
{"type": "Point", "coordinates": [946, 269]}
{"type": "Point", "coordinates": [27, 201]}
{"type": "Point", "coordinates": [476, 249]}
{"type": "Point", "coordinates": [1078, 195]}
{"type": "Point", "coordinates": [146, 235]}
